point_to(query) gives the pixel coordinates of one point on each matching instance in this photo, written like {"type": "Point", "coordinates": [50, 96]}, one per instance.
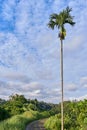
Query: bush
{"type": "Point", "coordinates": [19, 122]}
{"type": "Point", "coordinates": [75, 117]}
{"type": "Point", "coordinates": [3, 114]}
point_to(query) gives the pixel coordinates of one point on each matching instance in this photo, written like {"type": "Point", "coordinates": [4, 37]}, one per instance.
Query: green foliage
{"type": "Point", "coordinates": [15, 104]}
{"type": "Point", "coordinates": [59, 21]}
{"type": "Point", "coordinates": [3, 114]}
{"type": "Point", "coordinates": [18, 104]}
{"type": "Point", "coordinates": [22, 111]}
{"type": "Point", "coordinates": [2, 101]}
{"type": "Point", "coordinates": [75, 114]}
{"type": "Point", "coordinates": [75, 117]}
{"type": "Point", "coordinates": [53, 123]}
{"type": "Point", "coordinates": [19, 122]}
{"type": "Point", "coordinates": [32, 106]}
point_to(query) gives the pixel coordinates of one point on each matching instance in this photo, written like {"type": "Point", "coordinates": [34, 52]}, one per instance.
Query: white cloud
{"type": "Point", "coordinates": [71, 87]}
{"type": "Point", "coordinates": [33, 86]}
{"type": "Point", "coordinates": [81, 97]}
{"type": "Point", "coordinates": [85, 85]}
{"type": "Point", "coordinates": [83, 80]}
{"type": "Point", "coordinates": [22, 21]}
{"type": "Point", "coordinates": [29, 52]}
{"type": "Point", "coordinates": [16, 77]}
{"type": "Point", "coordinates": [74, 42]}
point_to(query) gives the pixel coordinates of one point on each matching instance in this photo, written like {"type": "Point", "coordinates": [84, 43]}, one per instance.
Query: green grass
{"type": "Point", "coordinates": [19, 122]}
{"type": "Point", "coordinates": [53, 123]}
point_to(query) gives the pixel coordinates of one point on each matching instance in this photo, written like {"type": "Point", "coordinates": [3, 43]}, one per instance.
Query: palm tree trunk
{"type": "Point", "coordinates": [61, 58]}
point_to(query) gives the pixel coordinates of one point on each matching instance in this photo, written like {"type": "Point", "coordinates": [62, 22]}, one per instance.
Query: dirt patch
{"type": "Point", "coordinates": [36, 125]}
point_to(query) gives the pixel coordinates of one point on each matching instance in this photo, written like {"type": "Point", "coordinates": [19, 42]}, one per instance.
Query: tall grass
{"type": "Point", "coordinates": [53, 123]}
{"type": "Point", "coordinates": [19, 122]}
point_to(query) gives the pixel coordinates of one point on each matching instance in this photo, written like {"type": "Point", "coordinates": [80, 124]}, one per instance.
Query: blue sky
{"type": "Point", "coordinates": [30, 51]}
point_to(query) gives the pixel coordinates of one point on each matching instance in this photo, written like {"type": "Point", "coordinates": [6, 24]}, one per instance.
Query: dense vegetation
{"type": "Point", "coordinates": [75, 117]}
{"type": "Point", "coordinates": [18, 104]}
{"type": "Point", "coordinates": [19, 122]}
{"type": "Point", "coordinates": [18, 111]}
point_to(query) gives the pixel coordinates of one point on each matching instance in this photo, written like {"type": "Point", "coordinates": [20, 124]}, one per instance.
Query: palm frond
{"type": "Point", "coordinates": [51, 24]}
{"type": "Point", "coordinates": [68, 10]}
{"type": "Point", "coordinates": [53, 16]}
{"type": "Point", "coordinates": [59, 20]}
{"type": "Point", "coordinates": [68, 21]}
{"type": "Point", "coordinates": [54, 21]}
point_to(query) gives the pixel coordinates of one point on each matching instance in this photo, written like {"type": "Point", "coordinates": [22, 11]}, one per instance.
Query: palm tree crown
{"type": "Point", "coordinates": [59, 20]}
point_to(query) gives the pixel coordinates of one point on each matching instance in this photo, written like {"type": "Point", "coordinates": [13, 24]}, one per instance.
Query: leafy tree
{"type": "Point", "coordinates": [15, 104]}
{"type": "Point", "coordinates": [59, 20]}
{"type": "Point", "coordinates": [2, 101]}
{"type": "Point", "coordinates": [3, 114]}
{"type": "Point", "coordinates": [18, 104]}
{"type": "Point", "coordinates": [19, 98]}
{"type": "Point", "coordinates": [75, 117]}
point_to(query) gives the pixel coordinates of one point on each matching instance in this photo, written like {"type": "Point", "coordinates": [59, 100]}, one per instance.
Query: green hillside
{"type": "Point", "coordinates": [18, 111]}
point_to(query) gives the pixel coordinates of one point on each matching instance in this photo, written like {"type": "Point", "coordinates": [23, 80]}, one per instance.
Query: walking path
{"type": "Point", "coordinates": [36, 125]}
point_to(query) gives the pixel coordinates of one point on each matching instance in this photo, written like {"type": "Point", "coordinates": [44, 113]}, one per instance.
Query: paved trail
{"type": "Point", "coordinates": [36, 125]}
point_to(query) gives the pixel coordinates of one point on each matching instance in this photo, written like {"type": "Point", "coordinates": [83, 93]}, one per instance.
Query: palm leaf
{"type": "Point", "coordinates": [59, 20]}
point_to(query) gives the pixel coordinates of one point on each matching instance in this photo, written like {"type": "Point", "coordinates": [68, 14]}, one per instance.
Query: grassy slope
{"type": "Point", "coordinates": [53, 123]}
{"type": "Point", "coordinates": [19, 122]}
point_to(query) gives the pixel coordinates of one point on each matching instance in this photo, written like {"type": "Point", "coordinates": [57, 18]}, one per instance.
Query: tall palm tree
{"type": "Point", "coordinates": [59, 20]}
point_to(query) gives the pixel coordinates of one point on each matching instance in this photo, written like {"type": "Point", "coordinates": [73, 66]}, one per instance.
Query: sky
{"type": "Point", "coordinates": [30, 51]}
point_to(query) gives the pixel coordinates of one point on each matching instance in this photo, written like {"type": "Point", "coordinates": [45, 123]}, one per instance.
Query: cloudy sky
{"type": "Point", "coordinates": [30, 51]}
